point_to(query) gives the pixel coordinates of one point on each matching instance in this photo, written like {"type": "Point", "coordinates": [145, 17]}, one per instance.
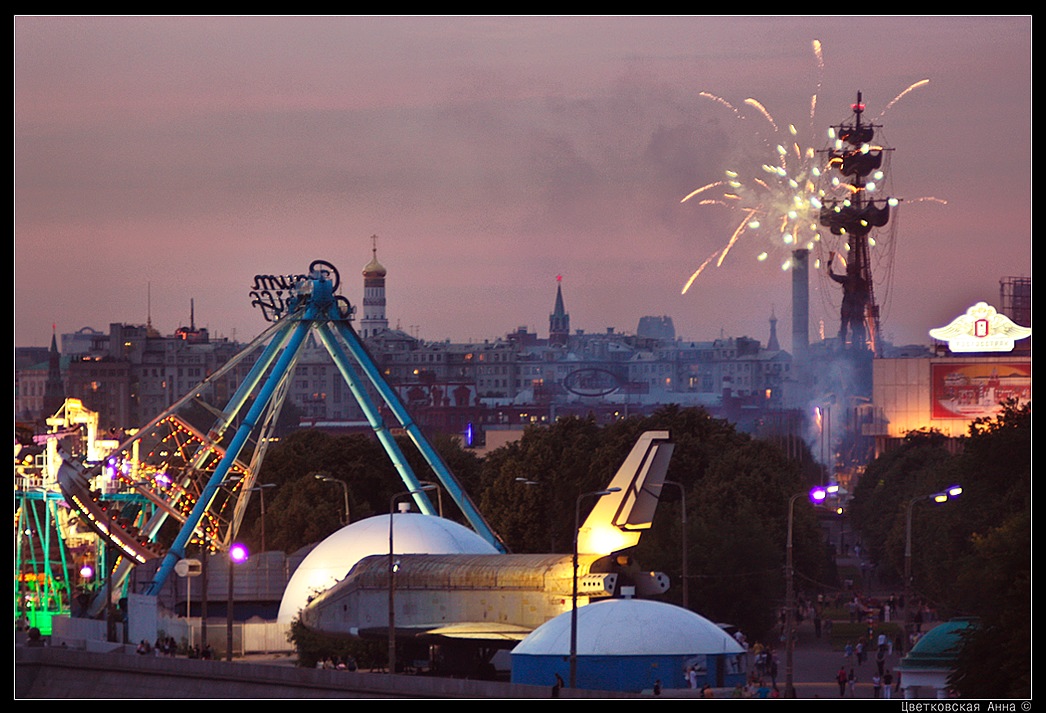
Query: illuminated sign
{"type": "Point", "coordinates": [981, 329]}
{"type": "Point", "coordinates": [968, 390]}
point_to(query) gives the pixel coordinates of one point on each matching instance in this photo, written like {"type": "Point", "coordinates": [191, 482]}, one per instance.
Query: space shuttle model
{"type": "Point", "coordinates": [498, 599]}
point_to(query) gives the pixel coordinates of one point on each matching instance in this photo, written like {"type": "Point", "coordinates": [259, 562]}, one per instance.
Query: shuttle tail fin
{"type": "Point", "coordinates": [618, 518]}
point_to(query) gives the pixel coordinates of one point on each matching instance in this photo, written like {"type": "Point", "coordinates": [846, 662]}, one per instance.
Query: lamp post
{"type": "Point", "coordinates": [260, 489]}
{"type": "Point", "coordinates": [941, 497]}
{"type": "Point", "coordinates": [392, 574]}
{"type": "Point", "coordinates": [686, 580]}
{"type": "Point", "coordinates": [237, 554]}
{"type": "Point", "coordinates": [573, 601]}
{"type": "Point", "coordinates": [345, 491]}
{"type": "Point", "coordinates": [816, 495]}
{"type": "Point", "coordinates": [439, 494]}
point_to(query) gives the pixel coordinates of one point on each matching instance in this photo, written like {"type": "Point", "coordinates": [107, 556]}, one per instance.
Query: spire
{"type": "Point", "coordinates": [772, 344]}
{"type": "Point", "coordinates": [54, 389]}
{"type": "Point", "coordinates": [559, 320]}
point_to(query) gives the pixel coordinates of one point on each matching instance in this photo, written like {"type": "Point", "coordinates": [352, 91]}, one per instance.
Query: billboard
{"type": "Point", "coordinates": [972, 389]}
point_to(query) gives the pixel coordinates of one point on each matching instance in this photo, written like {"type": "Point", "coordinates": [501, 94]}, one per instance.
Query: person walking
{"type": "Point", "coordinates": [877, 685]}
{"type": "Point", "coordinates": [887, 684]}
{"type": "Point", "coordinates": [851, 683]}
{"type": "Point", "coordinates": [841, 679]}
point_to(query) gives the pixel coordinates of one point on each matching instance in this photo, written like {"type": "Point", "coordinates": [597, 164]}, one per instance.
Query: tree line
{"type": "Point", "coordinates": [736, 492]}
{"type": "Point", "coordinates": [971, 556]}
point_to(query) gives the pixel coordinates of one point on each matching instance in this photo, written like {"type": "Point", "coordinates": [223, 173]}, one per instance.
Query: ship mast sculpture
{"type": "Point", "coordinates": [855, 216]}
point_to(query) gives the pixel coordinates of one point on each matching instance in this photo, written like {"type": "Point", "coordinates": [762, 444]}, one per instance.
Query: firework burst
{"type": "Point", "coordinates": [779, 203]}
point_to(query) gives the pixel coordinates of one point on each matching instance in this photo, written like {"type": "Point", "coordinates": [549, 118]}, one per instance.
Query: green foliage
{"type": "Point", "coordinates": [301, 510]}
{"type": "Point", "coordinates": [736, 491]}
{"type": "Point", "coordinates": [970, 556]}
{"type": "Point", "coordinates": [877, 510]}
{"type": "Point", "coordinates": [996, 585]}
{"type": "Point", "coordinates": [312, 647]}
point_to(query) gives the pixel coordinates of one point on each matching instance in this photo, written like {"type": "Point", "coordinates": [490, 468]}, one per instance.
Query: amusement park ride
{"type": "Point", "coordinates": [89, 511]}
{"type": "Point", "coordinates": [190, 471]}
{"type": "Point", "coordinates": [184, 480]}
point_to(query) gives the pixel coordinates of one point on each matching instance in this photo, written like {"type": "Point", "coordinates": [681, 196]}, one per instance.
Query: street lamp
{"type": "Point", "coordinates": [573, 601]}
{"type": "Point", "coordinates": [817, 495]}
{"type": "Point", "coordinates": [260, 489]}
{"type": "Point", "coordinates": [345, 491]}
{"type": "Point", "coordinates": [439, 494]}
{"type": "Point", "coordinates": [392, 574]}
{"type": "Point", "coordinates": [686, 580]}
{"type": "Point", "coordinates": [237, 554]}
{"type": "Point", "coordinates": [941, 497]}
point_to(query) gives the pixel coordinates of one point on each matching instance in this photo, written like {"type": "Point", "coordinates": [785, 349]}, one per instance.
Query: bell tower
{"type": "Point", "coordinates": [374, 319]}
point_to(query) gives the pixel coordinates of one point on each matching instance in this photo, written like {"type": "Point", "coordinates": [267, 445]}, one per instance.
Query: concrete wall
{"type": "Point", "coordinates": [56, 673]}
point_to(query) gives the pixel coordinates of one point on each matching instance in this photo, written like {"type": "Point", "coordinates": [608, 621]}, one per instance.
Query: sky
{"type": "Point", "coordinates": [162, 162]}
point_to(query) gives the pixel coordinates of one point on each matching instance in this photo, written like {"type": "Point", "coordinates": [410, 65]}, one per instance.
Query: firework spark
{"type": "Point", "coordinates": [781, 203]}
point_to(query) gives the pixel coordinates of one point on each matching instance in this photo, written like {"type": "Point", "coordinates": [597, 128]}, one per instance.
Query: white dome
{"type": "Point", "coordinates": [630, 627]}
{"type": "Point", "coordinates": [413, 534]}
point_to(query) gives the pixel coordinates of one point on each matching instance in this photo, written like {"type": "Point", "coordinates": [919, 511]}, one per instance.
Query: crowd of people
{"type": "Point", "coordinates": [342, 663]}
{"type": "Point", "coordinates": [167, 646]}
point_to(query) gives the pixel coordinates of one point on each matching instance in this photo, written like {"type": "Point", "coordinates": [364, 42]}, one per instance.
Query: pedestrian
{"type": "Point", "coordinates": [707, 692]}
{"type": "Point", "coordinates": [691, 677]}
{"type": "Point", "coordinates": [877, 685]}
{"type": "Point", "coordinates": [840, 678]}
{"type": "Point", "coordinates": [851, 682]}
{"type": "Point", "coordinates": [557, 686]}
{"type": "Point", "coordinates": [887, 684]}
{"type": "Point", "coordinates": [657, 687]}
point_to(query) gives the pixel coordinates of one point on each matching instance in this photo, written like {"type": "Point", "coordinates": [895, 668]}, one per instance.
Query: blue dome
{"type": "Point", "coordinates": [630, 627]}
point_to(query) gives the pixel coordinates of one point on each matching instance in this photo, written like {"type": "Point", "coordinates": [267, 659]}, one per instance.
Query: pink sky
{"type": "Point", "coordinates": [162, 160]}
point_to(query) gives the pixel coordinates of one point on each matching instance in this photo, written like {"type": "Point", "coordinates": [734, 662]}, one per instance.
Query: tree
{"type": "Point", "coordinates": [973, 554]}
{"type": "Point", "coordinates": [737, 492]}
{"type": "Point", "coordinates": [995, 660]}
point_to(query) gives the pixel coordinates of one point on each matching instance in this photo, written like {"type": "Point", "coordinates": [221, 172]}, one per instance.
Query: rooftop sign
{"type": "Point", "coordinates": [981, 329]}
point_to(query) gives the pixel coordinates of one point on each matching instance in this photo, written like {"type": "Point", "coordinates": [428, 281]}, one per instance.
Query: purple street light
{"type": "Point", "coordinates": [238, 554]}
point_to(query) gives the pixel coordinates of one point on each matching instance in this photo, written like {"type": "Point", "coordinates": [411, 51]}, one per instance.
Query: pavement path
{"type": "Point", "coordinates": [816, 663]}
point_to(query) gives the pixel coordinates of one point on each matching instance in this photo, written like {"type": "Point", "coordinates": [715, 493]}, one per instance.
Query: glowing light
{"type": "Point", "coordinates": [781, 205]}
{"type": "Point", "coordinates": [238, 552]}
{"type": "Point", "coordinates": [602, 540]}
